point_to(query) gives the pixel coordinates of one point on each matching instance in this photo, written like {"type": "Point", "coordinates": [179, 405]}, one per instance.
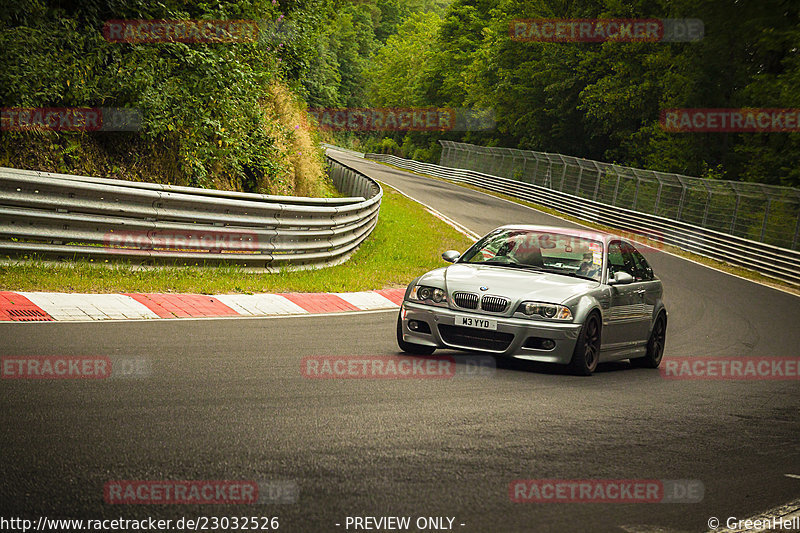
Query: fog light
{"type": "Point", "coordinates": [538, 343]}
{"type": "Point", "coordinates": [413, 325]}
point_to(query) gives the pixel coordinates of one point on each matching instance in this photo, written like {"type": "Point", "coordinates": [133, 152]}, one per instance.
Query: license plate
{"type": "Point", "coordinates": [473, 322]}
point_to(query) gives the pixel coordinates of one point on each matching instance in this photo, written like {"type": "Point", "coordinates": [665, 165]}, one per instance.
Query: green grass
{"type": "Point", "coordinates": [407, 242]}
{"type": "Point", "coordinates": [713, 263]}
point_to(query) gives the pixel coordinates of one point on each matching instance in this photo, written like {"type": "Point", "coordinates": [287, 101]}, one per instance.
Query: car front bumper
{"type": "Point", "coordinates": [509, 339]}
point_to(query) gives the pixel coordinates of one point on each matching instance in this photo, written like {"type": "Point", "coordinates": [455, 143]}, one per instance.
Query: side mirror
{"type": "Point", "coordinates": [621, 278]}
{"type": "Point", "coordinates": [451, 256]}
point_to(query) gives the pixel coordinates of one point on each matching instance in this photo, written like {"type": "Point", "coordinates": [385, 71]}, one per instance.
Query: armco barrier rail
{"type": "Point", "coordinates": [755, 211]}
{"type": "Point", "coordinates": [340, 149]}
{"type": "Point", "coordinates": [59, 216]}
{"type": "Point", "coordinates": [780, 263]}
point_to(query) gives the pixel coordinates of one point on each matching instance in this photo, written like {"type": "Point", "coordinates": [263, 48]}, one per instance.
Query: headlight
{"type": "Point", "coordinates": [422, 293]}
{"type": "Point", "coordinates": [543, 310]}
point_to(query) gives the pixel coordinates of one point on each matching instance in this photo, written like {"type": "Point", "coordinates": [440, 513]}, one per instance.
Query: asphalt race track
{"type": "Point", "coordinates": [225, 399]}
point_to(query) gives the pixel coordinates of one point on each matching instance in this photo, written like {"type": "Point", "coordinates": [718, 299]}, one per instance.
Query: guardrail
{"type": "Point", "coordinates": [340, 149]}
{"type": "Point", "coordinates": [755, 211]}
{"type": "Point", "coordinates": [59, 216]}
{"type": "Point", "coordinates": [773, 261]}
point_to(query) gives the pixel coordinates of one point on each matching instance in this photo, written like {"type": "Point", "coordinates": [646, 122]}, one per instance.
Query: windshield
{"type": "Point", "coordinates": [569, 255]}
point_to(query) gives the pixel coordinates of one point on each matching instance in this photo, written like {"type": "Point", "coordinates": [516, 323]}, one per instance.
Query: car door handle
{"type": "Point", "coordinates": [640, 291]}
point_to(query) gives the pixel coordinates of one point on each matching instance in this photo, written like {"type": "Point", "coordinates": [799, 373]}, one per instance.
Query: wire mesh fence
{"type": "Point", "coordinates": [759, 212]}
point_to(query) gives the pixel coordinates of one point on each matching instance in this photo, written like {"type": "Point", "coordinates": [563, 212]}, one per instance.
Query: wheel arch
{"type": "Point", "coordinates": [657, 311]}
{"type": "Point", "coordinates": [585, 306]}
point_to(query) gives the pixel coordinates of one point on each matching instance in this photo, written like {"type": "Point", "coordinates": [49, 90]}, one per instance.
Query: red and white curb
{"type": "Point", "coordinates": [50, 306]}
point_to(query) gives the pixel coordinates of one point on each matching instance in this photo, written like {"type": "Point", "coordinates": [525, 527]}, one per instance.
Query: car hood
{"type": "Point", "coordinates": [515, 284]}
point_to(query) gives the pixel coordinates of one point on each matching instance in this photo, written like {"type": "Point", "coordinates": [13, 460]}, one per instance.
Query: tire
{"type": "Point", "coordinates": [587, 349]}
{"type": "Point", "coordinates": [655, 344]}
{"type": "Point", "coordinates": [410, 347]}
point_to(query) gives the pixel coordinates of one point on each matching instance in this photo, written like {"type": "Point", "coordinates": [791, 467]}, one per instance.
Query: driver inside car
{"type": "Point", "coordinates": [588, 268]}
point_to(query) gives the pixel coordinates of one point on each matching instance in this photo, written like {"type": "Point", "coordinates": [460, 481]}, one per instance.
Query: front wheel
{"type": "Point", "coordinates": [410, 347]}
{"type": "Point", "coordinates": [587, 349]}
{"type": "Point", "coordinates": [655, 345]}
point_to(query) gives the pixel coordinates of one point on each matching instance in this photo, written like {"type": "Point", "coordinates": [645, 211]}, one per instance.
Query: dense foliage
{"type": "Point", "coordinates": [602, 100]}
{"type": "Point", "coordinates": [232, 114]}
{"type": "Point", "coordinates": [214, 114]}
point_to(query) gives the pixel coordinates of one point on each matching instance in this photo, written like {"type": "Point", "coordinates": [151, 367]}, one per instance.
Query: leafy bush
{"type": "Point", "coordinates": [213, 114]}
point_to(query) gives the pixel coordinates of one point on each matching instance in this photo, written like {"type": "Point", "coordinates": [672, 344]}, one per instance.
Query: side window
{"type": "Point", "coordinates": [619, 258]}
{"type": "Point", "coordinates": [642, 269]}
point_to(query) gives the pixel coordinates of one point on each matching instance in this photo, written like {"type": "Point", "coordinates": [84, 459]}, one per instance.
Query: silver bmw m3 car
{"type": "Point", "coordinates": [555, 295]}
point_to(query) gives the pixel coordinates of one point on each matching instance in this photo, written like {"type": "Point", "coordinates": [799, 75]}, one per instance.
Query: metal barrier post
{"type": "Point", "coordinates": [766, 216]}
{"type": "Point", "coordinates": [708, 205]}
{"type": "Point", "coordinates": [599, 174]}
{"type": "Point", "coordinates": [658, 194]}
{"type": "Point", "coordinates": [682, 201]}
{"type": "Point", "coordinates": [735, 210]}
